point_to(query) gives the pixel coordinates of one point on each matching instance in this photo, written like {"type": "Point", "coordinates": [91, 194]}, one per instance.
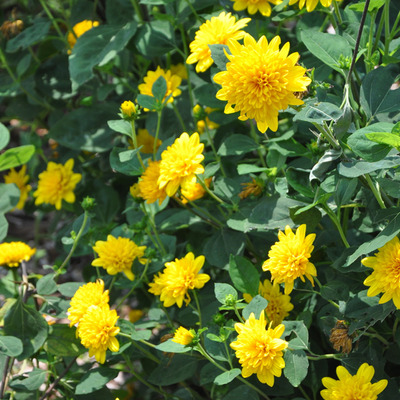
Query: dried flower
{"type": "Point", "coordinates": [340, 338]}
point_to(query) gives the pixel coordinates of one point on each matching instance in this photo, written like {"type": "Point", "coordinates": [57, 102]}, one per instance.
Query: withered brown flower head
{"type": "Point", "coordinates": [340, 338]}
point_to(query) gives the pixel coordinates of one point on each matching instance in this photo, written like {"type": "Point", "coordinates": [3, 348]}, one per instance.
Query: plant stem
{"type": "Point", "coordinates": [178, 115]}
{"type": "Point", "coordinates": [76, 241]}
{"type": "Point", "coordinates": [135, 145]}
{"type": "Point", "coordinates": [360, 29]}
{"type": "Point", "coordinates": [219, 366]}
{"type": "Point", "coordinates": [337, 12]}
{"type": "Point", "coordinates": [238, 315]}
{"type": "Point", "coordinates": [58, 379]}
{"type": "Point", "coordinates": [303, 392]}
{"type": "Point", "coordinates": [218, 223]}
{"type": "Point", "coordinates": [54, 22]}
{"type": "Point", "coordinates": [334, 219]}
{"type": "Point", "coordinates": [196, 299]}
{"type": "Point", "coordinates": [157, 133]}
{"type": "Point", "coordinates": [375, 191]}
{"type": "Point", "coordinates": [216, 155]}
{"type": "Point", "coordinates": [137, 9]}
{"type": "Point", "coordinates": [214, 196]}
{"type": "Point", "coordinates": [387, 26]}
{"type": "Point", "coordinates": [154, 228]}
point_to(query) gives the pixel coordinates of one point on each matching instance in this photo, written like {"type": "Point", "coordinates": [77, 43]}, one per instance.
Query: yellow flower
{"type": "Point", "coordinates": [128, 109]}
{"type": "Point", "coordinates": [180, 163]}
{"type": "Point", "coordinates": [13, 253]}
{"type": "Point", "coordinates": [279, 304]}
{"type": "Point", "coordinates": [173, 81]}
{"type": "Point", "coordinates": [350, 387]}
{"type": "Point", "coordinates": [97, 331]}
{"type": "Point", "coordinates": [194, 191]}
{"type": "Point", "coordinates": [254, 188]}
{"type": "Point", "coordinates": [177, 278]}
{"type": "Point", "coordinates": [263, 6]}
{"type": "Point", "coordinates": [385, 277]}
{"type": "Point", "coordinates": [259, 350]}
{"type": "Point", "coordinates": [180, 70]}
{"type": "Point", "coordinates": [289, 258]}
{"type": "Point", "coordinates": [20, 179]}
{"type": "Point", "coordinates": [148, 184]}
{"type": "Point", "coordinates": [218, 30]}
{"type": "Point", "coordinates": [91, 294]}
{"type": "Point", "coordinates": [117, 255]}
{"type": "Point", "coordinates": [260, 80]}
{"type": "Point", "coordinates": [311, 4]}
{"type": "Point", "coordinates": [183, 336]}
{"type": "Point", "coordinates": [147, 141]}
{"type": "Point", "coordinates": [56, 184]}
{"type": "Point", "coordinates": [80, 28]}
{"type": "Point", "coordinates": [135, 315]}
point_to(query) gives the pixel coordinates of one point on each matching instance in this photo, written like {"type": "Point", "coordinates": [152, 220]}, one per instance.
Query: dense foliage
{"type": "Point", "coordinates": [200, 199]}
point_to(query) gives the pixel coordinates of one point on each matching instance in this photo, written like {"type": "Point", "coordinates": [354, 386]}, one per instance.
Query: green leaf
{"type": "Point", "coordinates": [95, 379]}
{"type": "Point", "coordinates": [4, 136]}
{"type": "Point", "coordinates": [35, 379]}
{"type": "Point", "coordinates": [365, 148]}
{"type": "Point", "coordinates": [120, 126]}
{"type": "Point", "coordinates": [46, 285]}
{"type": "Point", "coordinates": [242, 392]}
{"type": "Point", "coordinates": [10, 346]}
{"type": "Point", "coordinates": [97, 47]}
{"type": "Point", "coordinates": [345, 190]}
{"type": "Point", "coordinates": [171, 347]}
{"type": "Point", "coordinates": [390, 139]}
{"type": "Point", "coordinates": [353, 169]}
{"type": "Point", "coordinates": [391, 230]}
{"type": "Point", "coordinates": [125, 161]}
{"type": "Point", "coordinates": [257, 305]}
{"type": "Point", "coordinates": [376, 95]}
{"type": "Point", "coordinates": [373, 5]}
{"type": "Point", "coordinates": [68, 289]}
{"type": "Point", "coordinates": [326, 162]}
{"type": "Point", "coordinates": [25, 323]}
{"type": "Point", "coordinates": [330, 49]}
{"type": "Point", "coordinates": [300, 331]}
{"type": "Point", "coordinates": [16, 156]}
{"type": "Point", "coordinates": [62, 341]}
{"type": "Point", "coordinates": [85, 128]}
{"type": "Point", "coordinates": [174, 370]}
{"type": "Point", "coordinates": [244, 169]}
{"type": "Point", "coordinates": [221, 245]}
{"type": "Point", "coordinates": [9, 197]}
{"type": "Point", "coordinates": [244, 275]}
{"type": "Point", "coordinates": [147, 101]}
{"type": "Point", "coordinates": [236, 145]}
{"type": "Point", "coordinates": [159, 89]}
{"type": "Point", "coordinates": [296, 366]}
{"type": "Point", "coordinates": [218, 55]}
{"type": "Point", "coordinates": [228, 376]}
{"type": "Point", "coordinates": [155, 38]}
{"type": "Point", "coordinates": [318, 113]}
{"type": "Point", "coordinates": [222, 290]}
{"type": "Point", "coordinates": [29, 36]}
{"type": "Point", "coordinates": [142, 334]}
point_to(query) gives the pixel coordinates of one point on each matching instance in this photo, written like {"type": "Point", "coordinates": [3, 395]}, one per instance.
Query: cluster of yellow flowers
{"type": "Point", "coordinates": [96, 329]}
{"type": "Point", "coordinates": [12, 254]}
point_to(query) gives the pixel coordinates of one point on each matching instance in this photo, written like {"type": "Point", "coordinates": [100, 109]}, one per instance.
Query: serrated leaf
{"type": "Point", "coordinates": [296, 366]}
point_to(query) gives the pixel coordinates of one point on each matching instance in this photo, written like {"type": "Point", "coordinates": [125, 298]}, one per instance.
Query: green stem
{"type": "Point", "coordinates": [387, 26]}
{"type": "Point", "coordinates": [370, 45]}
{"type": "Point", "coordinates": [396, 323]}
{"type": "Point", "coordinates": [178, 115]}
{"type": "Point", "coordinates": [135, 145]}
{"type": "Point", "coordinates": [54, 22]}
{"type": "Point", "coordinates": [216, 155]}
{"type": "Point", "coordinates": [76, 241]}
{"type": "Point", "coordinates": [137, 9]}
{"type": "Point", "coordinates": [378, 33]}
{"type": "Point", "coordinates": [238, 315]}
{"type": "Point", "coordinates": [218, 223]}
{"type": "Point", "coordinates": [214, 196]}
{"type": "Point", "coordinates": [303, 392]}
{"type": "Point", "coordinates": [212, 361]}
{"type": "Point", "coordinates": [325, 131]}
{"type": "Point", "coordinates": [196, 299]}
{"type": "Point", "coordinates": [377, 336]}
{"type": "Point", "coordinates": [325, 357]}
{"type": "Point", "coordinates": [393, 32]}
{"type": "Point", "coordinates": [135, 285]}
{"type": "Point", "coordinates": [154, 228]}
{"type": "Point", "coordinates": [112, 283]}
{"type": "Point", "coordinates": [157, 133]}
{"type": "Point", "coordinates": [337, 12]}
{"type": "Point", "coordinates": [334, 219]}
{"type": "Point", "coordinates": [256, 138]}
{"type": "Point", "coordinates": [375, 191]}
